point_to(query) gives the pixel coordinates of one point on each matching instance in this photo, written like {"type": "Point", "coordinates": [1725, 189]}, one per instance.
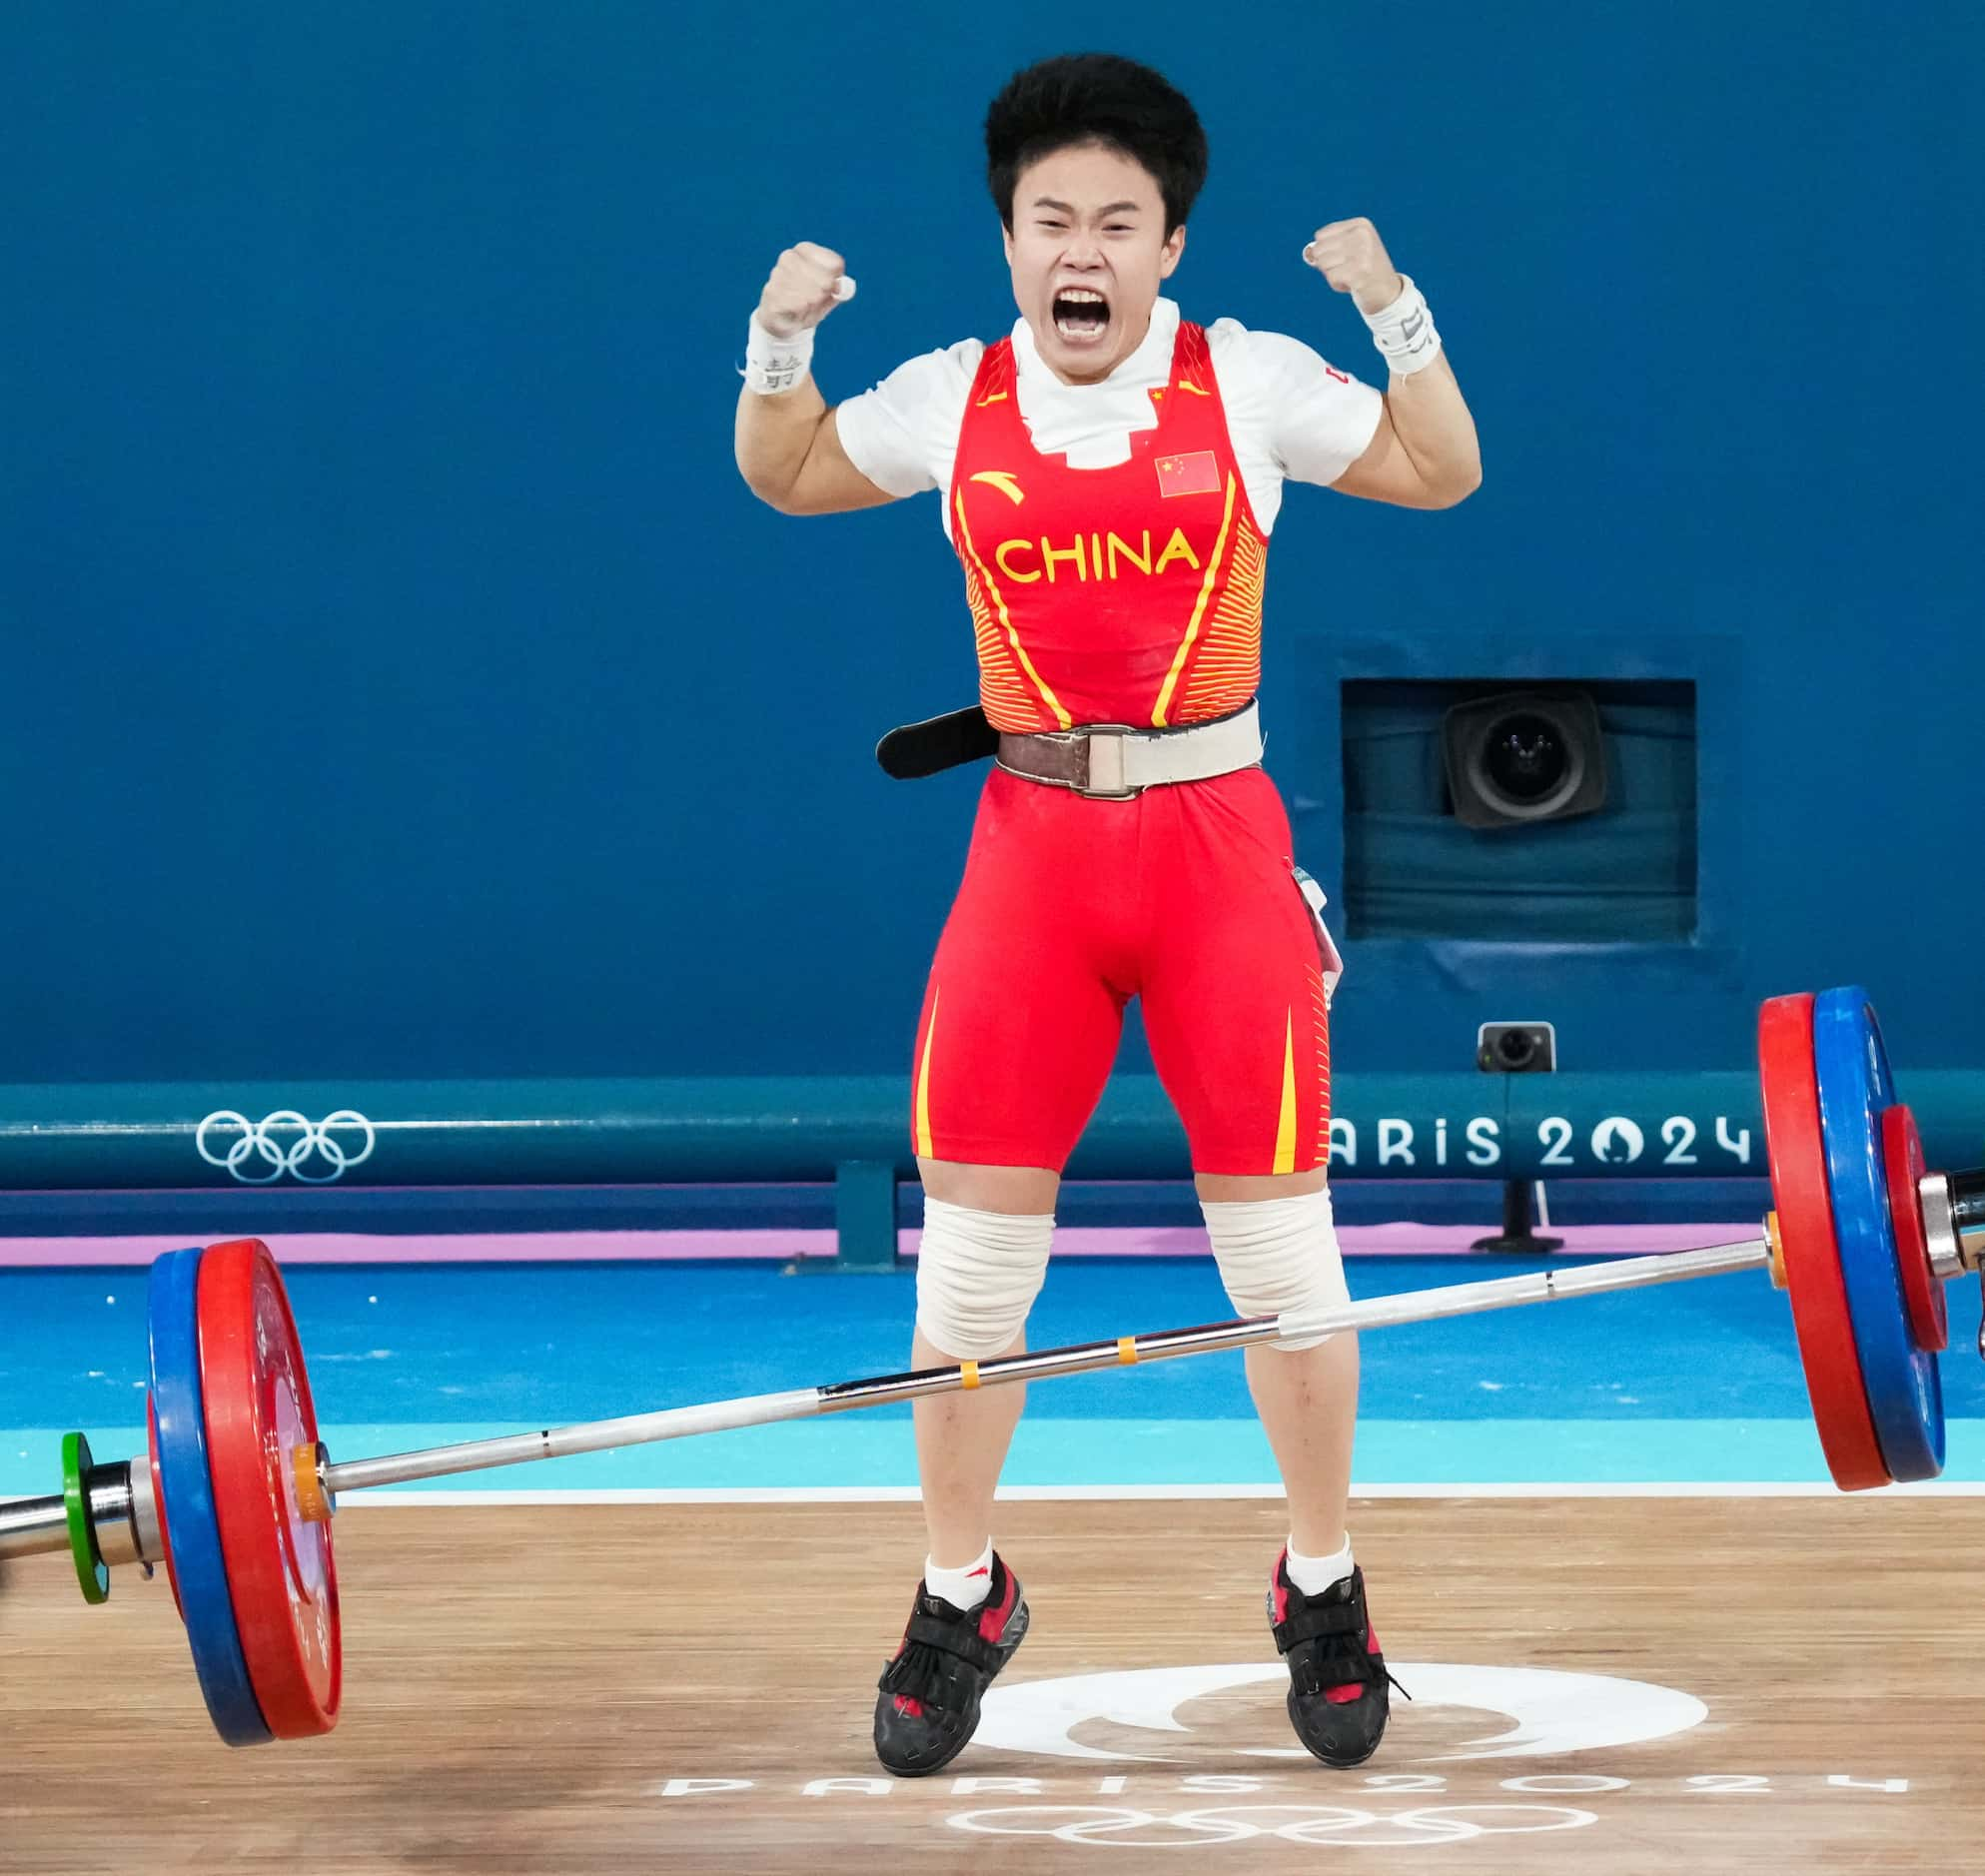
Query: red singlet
{"type": "Point", "coordinates": [1129, 595]}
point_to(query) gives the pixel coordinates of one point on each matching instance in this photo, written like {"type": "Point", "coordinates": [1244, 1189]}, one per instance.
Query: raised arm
{"type": "Point", "coordinates": [1424, 452]}
{"type": "Point", "coordinates": [786, 444]}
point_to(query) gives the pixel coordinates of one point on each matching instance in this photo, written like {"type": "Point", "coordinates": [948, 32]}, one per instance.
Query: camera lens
{"type": "Point", "coordinates": [1526, 762]}
{"type": "Point", "coordinates": [1515, 1048]}
{"type": "Point", "coordinates": [1525, 756]}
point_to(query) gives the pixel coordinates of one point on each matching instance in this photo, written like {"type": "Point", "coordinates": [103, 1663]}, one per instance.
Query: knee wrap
{"type": "Point", "coordinates": [1277, 1254]}
{"type": "Point", "coordinates": [977, 1276]}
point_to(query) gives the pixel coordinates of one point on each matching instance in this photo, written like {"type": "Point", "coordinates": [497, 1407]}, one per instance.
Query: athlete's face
{"type": "Point", "coordinates": [1088, 250]}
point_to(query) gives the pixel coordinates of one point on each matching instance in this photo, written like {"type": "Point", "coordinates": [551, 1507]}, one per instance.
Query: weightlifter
{"type": "Point", "coordinates": [1109, 474]}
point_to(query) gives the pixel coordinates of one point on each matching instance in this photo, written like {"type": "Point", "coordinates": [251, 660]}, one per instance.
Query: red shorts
{"type": "Point", "coordinates": [1185, 896]}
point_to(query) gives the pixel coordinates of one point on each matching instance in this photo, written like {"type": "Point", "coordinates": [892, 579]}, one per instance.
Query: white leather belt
{"type": "Point", "coordinates": [1116, 762]}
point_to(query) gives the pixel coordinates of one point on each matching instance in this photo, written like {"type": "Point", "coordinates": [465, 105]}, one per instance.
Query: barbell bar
{"type": "Point", "coordinates": [32, 1525]}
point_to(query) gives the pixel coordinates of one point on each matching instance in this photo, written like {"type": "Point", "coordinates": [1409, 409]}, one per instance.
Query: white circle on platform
{"type": "Point", "coordinates": [1554, 1711]}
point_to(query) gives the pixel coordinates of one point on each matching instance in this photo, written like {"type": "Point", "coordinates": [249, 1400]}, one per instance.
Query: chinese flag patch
{"type": "Point", "coordinates": [1194, 475]}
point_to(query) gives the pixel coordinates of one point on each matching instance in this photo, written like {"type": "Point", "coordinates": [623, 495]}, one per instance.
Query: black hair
{"type": "Point", "coordinates": [1095, 97]}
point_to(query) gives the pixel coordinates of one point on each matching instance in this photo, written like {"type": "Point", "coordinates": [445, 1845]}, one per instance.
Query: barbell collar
{"type": "Point", "coordinates": [1945, 1247]}
{"type": "Point", "coordinates": [107, 1491]}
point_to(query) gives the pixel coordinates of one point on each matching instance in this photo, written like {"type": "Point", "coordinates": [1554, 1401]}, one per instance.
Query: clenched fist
{"type": "Point", "coordinates": [809, 282]}
{"type": "Point", "coordinates": [1354, 260]}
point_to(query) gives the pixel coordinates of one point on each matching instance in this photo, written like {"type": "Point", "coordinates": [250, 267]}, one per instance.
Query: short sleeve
{"type": "Point", "coordinates": [1321, 419]}
{"type": "Point", "coordinates": [904, 433]}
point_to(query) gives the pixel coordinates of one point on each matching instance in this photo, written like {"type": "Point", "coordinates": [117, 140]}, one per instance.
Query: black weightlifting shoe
{"type": "Point", "coordinates": [1339, 1689]}
{"type": "Point", "coordinates": [928, 1706]}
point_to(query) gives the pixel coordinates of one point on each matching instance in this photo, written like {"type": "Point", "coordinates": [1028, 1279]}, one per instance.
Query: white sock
{"type": "Point", "coordinates": [963, 1588]}
{"type": "Point", "coordinates": [1314, 1574]}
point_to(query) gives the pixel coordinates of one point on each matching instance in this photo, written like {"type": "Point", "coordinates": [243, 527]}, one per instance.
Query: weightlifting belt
{"type": "Point", "coordinates": [1115, 762]}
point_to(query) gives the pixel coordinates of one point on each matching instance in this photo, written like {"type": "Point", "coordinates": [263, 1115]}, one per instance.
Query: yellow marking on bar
{"type": "Point", "coordinates": [968, 1374]}
{"type": "Point", "coordinates": [1285, 1130]}
{"type": "Point", "coordinates": [923, 1082]}
{"type": "Point", "coordinates": [1126, 1350]}
{"type": "Point", "coordinates": [1199, 608]}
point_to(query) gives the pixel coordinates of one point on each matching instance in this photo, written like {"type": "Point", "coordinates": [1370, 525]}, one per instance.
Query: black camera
{"type": "Point", "coordinates": [1525, 756]}
{"type": "Point", "coordinates": [1515, 1048]}
{"type": "Point", "coordinates": [1518, 1049]}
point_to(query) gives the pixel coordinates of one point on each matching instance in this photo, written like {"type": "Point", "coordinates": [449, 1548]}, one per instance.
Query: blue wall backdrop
{"type": "Point", "coordinates": [396, 678]}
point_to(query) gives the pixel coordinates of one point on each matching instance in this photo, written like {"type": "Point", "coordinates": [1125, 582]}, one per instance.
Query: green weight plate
{"type": "Point", "coordinates": [91, 1570]}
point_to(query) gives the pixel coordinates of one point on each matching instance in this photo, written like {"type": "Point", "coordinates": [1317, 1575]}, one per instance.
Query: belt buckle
{"type": "Point", "coordinates": [1104, 780]}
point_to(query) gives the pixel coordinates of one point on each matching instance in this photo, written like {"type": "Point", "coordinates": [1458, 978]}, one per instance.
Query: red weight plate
{"type": "Point", "coordinates": [1813, 1279]}
{"type": "Point", "coordinates": [280, 1568]}
{"type": "Point", "coordinates": [1922, 1292]}
{"type": "Point", "coordinates": [158, 1501]}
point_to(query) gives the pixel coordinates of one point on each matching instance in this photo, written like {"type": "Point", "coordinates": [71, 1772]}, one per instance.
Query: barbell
{"type": "Point", "coordinates": [235, 1493]}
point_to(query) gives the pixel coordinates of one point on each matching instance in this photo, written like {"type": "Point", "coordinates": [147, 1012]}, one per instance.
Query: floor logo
{"type": "Point", "coordinates": [1348, 1825]}
{"type": "Point", "coordinates": [1196, 1788]}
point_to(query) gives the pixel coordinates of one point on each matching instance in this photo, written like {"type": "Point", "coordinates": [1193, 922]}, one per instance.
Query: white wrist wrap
{"type": "Point", "coordinates": [1403, 332]}
{"type": "Point", "coordinates": [776, 365]}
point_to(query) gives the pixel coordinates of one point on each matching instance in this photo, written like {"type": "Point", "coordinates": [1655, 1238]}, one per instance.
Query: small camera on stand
{"type": "Point", "coordinates": [1518, 1049]}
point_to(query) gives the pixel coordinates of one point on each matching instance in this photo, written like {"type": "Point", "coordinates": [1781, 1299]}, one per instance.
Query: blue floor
{"type": "Point", "coordinates": [1695, 1381]}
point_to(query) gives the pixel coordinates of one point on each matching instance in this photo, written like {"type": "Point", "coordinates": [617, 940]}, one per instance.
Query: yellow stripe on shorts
{"type": "Point", "coordinates": [1285, 1129]}
{"type": "Point", "coordinates": [923, 1081]}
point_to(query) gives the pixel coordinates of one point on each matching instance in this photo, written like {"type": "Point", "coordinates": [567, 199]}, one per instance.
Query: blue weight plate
{"type": "Point", "coordinates": [198, 1565]}
{"type": "Point", "coordinates": [1905, 1395]}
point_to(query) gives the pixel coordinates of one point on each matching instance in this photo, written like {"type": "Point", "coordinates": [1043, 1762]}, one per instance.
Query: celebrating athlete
{"type": "Point", "coordinates": [1109, 474]}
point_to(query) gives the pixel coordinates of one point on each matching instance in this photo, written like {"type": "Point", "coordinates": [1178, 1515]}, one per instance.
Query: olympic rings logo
{"type": "Point", "coordinates": [285, 1141]}
{"type": "Point", "coordinates": [1343, 1824]}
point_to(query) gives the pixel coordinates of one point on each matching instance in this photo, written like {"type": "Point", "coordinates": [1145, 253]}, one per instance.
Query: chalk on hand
{"type": "Point", "coordinates": [1309, 254]}
{"type": "Point", "coordinates": [844, 288]}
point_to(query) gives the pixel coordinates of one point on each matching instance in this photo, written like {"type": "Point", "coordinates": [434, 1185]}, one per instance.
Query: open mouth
{"type": "Point", "coordinates": [1081, 315]}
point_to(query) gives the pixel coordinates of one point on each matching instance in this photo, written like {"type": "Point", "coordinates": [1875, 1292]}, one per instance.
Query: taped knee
{"type": "Point", "coordinates": [978, 1274]}
{"type": "Point", "coordinates": [1278, 1254]}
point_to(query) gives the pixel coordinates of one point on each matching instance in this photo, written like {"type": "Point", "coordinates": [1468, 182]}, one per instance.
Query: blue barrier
{"type": "Point", "coordinates": [853, 1129]}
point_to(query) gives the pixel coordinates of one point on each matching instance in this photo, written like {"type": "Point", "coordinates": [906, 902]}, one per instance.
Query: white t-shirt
{"type": "Point", "coordinates": [1289, 414]}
